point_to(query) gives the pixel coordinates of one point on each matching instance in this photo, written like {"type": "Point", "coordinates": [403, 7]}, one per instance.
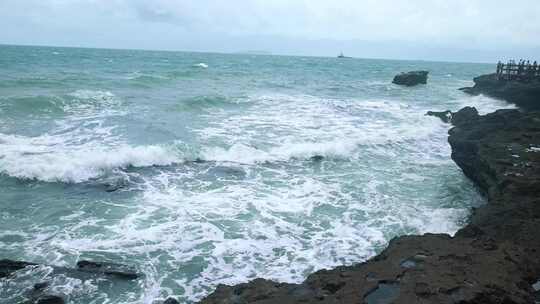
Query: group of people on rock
{"type": "Point", "coordinates": [522, 70]}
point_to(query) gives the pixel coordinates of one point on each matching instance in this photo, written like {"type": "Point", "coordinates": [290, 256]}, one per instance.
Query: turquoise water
{"type": "Point", "coordinates": [198, 169]}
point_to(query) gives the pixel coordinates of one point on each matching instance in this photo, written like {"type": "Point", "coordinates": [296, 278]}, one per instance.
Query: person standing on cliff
{"type": "Point", "coordinates": [521, 65]}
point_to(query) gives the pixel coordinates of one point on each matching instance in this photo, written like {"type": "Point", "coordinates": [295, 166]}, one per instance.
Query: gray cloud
{"type": "Point", "coordinates": [483, 25]}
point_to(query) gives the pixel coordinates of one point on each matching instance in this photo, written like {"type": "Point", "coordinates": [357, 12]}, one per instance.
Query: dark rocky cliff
{"type": "Point", "coordinates": [525, 94]}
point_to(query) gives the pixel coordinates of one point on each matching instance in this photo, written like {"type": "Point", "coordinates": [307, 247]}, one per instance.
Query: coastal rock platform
{"type": "Point", "coordinates": [525, 94]}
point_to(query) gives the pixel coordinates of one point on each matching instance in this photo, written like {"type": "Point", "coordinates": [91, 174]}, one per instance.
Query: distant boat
{"type": "Point", "coordinates": [342, 56]}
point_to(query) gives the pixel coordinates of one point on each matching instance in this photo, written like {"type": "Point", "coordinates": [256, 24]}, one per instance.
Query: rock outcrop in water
{"type": "Point", "coordinates": [525, 94]}
{"type": "Point", "coordinates": [85, 270]}
{"type": "Point", "coordinates": [494, 259]}
{"type": "Point", "coordinates": [463, 115]}
{"type": "Point", "coordinates": [445, 116]}
{"type": "Point", "coordinates": [111, 269]}
{"type": "Point", "coordinates": [411, 78]}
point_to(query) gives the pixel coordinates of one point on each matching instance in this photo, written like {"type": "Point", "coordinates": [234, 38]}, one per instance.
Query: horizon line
{"type": "Point", "coordinates": [245, 52]}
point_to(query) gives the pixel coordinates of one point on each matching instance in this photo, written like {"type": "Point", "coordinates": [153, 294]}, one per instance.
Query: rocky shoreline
{"type": "Point", "coordinates": [523, 93]}
{"type": "Point", "coordinates": [494, 259]}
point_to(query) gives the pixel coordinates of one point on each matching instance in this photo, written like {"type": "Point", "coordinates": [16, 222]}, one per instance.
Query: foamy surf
{"type": "Point", "coordinates": [201, 65]}
{"type": "Point", "coordinates": [49, 161]}
{"type": "Point", "coordinates": [258, 204]}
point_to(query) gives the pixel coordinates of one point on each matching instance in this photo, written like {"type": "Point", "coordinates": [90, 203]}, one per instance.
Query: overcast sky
{"type": "Point", "coordinates": [455, 30]}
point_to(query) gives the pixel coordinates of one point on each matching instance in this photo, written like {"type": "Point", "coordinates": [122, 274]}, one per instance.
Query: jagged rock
{"type": "Point", "coordinates": [41, 286]}
{"type": "Point", "coordinates": [445, 116]}
{"type": "Point", "coordinates": [525, 94]}
{"type": "Point", "coordinates": [49, 299]}
{"type": "Point", "coordinates": [317, 158]}
{"type": "Point", "coordinates": [117, 270]}
{"type": "Point", "coordinates": [7, 267]}
{"type": "Point", "coordinates": [464, 116]}
{"type": "Point", "coordinates": [411, 78]}
{"type": "Point", "coordinates": [171, 301]}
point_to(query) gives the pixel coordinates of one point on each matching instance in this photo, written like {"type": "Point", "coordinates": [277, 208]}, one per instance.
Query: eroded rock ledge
{"type": "Point", "coordinates": [524, 93]}
{"type": "Point", "coordinates": [494, 259]}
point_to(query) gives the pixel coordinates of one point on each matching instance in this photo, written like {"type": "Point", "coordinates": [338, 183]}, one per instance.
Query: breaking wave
{"type": "Point", "coordinates": [44, 160]}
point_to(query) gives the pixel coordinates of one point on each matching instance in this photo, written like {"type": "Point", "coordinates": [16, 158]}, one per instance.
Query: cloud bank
{"type": "Point", "coordinates": [277, 25]}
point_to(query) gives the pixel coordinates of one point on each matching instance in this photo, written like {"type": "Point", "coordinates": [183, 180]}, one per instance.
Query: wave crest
{"type": "Point", "coordinates": [240, 153]}
{"type": "Point", "coordinates": [27, 158]}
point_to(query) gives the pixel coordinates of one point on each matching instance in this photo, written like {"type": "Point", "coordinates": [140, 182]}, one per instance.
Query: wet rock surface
{"type": "Point", "coordinates": [7, 267]}
{"type": "Point", "coordinates": [48, 299]}
{"type": "Point", "coordinates": [494, 259]}
{"type": "Point", "coordinates": [38, 283]}
{"type": "Point", "coordinates": [411, 78]}
{"type": "Point", "coordinates": [117, 270]}
{"type": "Point", "coordinates": [445, 116]}
{"type": "Point", "coordinates": [525, 94]}
{"type": "Point", "coordinates": [171, 301]}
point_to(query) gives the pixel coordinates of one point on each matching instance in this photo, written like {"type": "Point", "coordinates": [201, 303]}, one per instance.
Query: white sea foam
{"type": "Point", "coordinates": [201, 65]}
{"type": "Point", "coordinates": [282, 222]}
{"type": "Point", "coordinates": [484, 104]}
{"type": "Point", "coordinates": [278, 221]}
{"type": "Point", "coordinates": [80, 147]}
{"type": "Point", "coordinates": [240, 153]}
{"type": "Point", "coordinates": [46, 159]}
{"type": "Point", "coordinates": [302, 127]}
{"type": "Point", "coordinates": [91, 94]}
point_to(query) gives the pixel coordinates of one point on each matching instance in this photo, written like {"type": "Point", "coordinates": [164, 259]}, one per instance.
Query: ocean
{"type": "Point", "coordinates": [201, 169]}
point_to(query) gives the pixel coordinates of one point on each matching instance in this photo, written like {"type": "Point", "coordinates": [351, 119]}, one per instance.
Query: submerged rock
{"type": "Point", "coordinates": [317, 158]}
{"type": "Point", "coordinates": [171, 301]}
{"type": "Point", "coordinates": [7, 267]}
{"type": "Point", "coordinates": [41, 286]}
{"type": "Point", "coordinates": [49, 299]}
{"type": "Point", "coordinates": [385, 293]}
{"type": "Point", "coordinates": [228, 172]}
{"type": "Point", "coordinates": [411, 78]}
{"type": "Point", "coordinates": [525, 94]}
{"type": "Point", "coordinates": [117, 270]}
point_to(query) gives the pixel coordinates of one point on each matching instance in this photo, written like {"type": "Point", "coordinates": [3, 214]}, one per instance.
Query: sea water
{"type": "Point", "coordinates": [201, 169]}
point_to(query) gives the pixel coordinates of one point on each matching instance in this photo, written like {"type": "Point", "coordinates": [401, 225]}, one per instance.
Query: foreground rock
{"type": "Point", "coordinates": [7, 267]}
{"type": "Point", "coordinates": [84, 269]}
{"type": "Point", "coordinates": [525, 94]}
{"type": "Point", "coordinates": [411, 78]}
{"type": "Point", "coordinates": [20, 275]}
{"type": "Point", "coordinates": [494, 259]}
{"type": "Point", "coordinates": [47, 299]}
{"type": "Point", "coordinates": [462, 116]}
